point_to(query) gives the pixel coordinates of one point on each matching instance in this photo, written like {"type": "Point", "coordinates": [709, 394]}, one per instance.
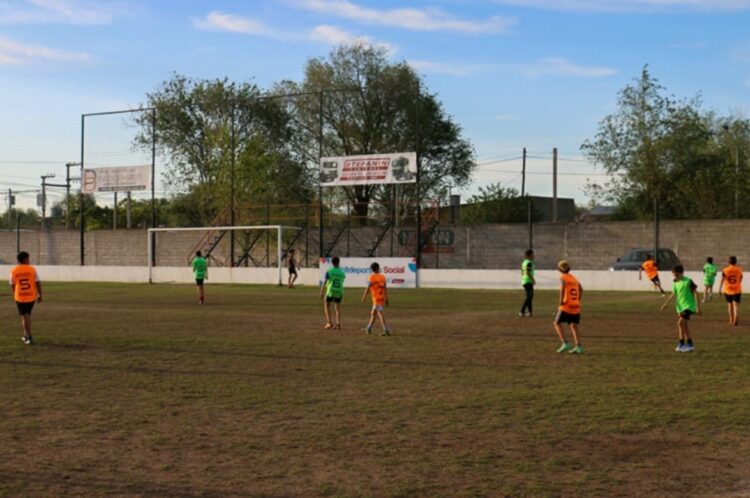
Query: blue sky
{"type": "Point", "coordinates": [513, 73]}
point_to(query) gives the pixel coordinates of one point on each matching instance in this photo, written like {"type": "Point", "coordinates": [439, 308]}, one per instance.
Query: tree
{"type": "Point", "coordinates": [202, 125]}
{"type": "Point", "coordinates": [496, 204]}
{"type": "Point", "coordinates": [371, 105]}
{"type": "Point", "coordinates": [660, 148]}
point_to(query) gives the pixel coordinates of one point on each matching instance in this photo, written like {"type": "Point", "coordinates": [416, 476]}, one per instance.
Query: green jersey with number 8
{"type": "Point", "coordinates": [335, 283]}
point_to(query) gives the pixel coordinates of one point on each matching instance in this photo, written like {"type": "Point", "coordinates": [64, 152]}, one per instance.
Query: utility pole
{"type": "Point", "coordinates": [11, 203]}
{"type": "Point", "coordinates": [114, 214]}
{"type": "Point", "coordinates": [554, 185]}
{"type": "Point", "coordinates": [68, 179]}
{"type": "Point", "coordinates": [44, 195]}
{"type": "Point", "coordinates": [129, 212]}
{"type": "Point", "coordinates": [523, 174]}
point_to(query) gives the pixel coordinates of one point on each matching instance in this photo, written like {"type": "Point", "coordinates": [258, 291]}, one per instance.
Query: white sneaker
{"type": "Point", "coordinates": [680, 348]}
{"type": "Point", "coordinates": [688, 349]}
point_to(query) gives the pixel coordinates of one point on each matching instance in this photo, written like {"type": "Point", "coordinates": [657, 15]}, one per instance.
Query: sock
{"type": "Point", "coordinates": [682, 342]}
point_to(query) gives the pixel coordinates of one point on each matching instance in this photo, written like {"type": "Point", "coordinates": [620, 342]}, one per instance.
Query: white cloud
{"type": "Point", "coordinates": [220, 21]}
{"type": "Point", "coordinates": [448, 69]}
{"type": "Point", "coordinates": [77, 12]}
{"type": "Point", "coordinates": [557, 66]}
{"type": "Point", "coordinates": [333, 35]}
{"type": "Point", "coordinates": [15, 52]}
{"type": "Point", "coordinates": [407, 18]}
{"type": "Point", "coordinates": [630, 6]}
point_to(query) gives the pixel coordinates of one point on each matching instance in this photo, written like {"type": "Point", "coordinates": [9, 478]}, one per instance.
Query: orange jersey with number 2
{"type": "Point", "coordinates": [732, 280]}
{"type": "Point", "coordinates": [24, 278]}
{"type": "Point", "coordinates": [571, 301]}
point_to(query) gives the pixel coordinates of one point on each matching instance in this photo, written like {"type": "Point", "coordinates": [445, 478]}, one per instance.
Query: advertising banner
{"type": "Point", "coordinates": [400, 273]}
{"type": "Point", "coordinates": [375, 169]}
{"type": "Point", "coordinates": [117, 179]}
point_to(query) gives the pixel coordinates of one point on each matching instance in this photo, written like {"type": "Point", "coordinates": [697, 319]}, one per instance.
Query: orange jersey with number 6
{"type": "Point", "coordinates": [24, 279]}
{"type": "Point", "coordinates": [571, 300]}
{"type": "Point", "coordinates": [732, 280]}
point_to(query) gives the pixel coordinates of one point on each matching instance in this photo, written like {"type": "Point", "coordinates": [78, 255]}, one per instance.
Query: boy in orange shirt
{"type": "Point", "coordinates": [377, 287]}
{"type": "Point", "coordinates": [652, 272]}
{"type": "Point", "coordinates": [27, 290]}
{"type": "Point", "coordinates": [570, 309]}
{"type": "Point", "coordinates": [731, 287]}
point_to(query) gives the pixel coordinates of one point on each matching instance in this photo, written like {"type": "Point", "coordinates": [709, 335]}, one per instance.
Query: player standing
{"type": "Point", "coordinates": [685, 291]}
{"type": "Point", "coordinates": [200, 271]}
{"type": "Point", "coordinates": [731, 287]}
{"type": "Point", "coordinates": [570, 309]}
{"type": "Point", "coordinates": [528, 281]}
{"type": "Point", "coordinates": [652, 272]}
{"type": "Point", "coordinates": [27, 290]}
{"type": "Point", "coordinates": [709, 279]}
{"type": "Point", "coordinates": [333, 292]}
{"type": "Point", "coordinates": [377, 287]}
{"type": "Point", "coordinates": [292, 266]}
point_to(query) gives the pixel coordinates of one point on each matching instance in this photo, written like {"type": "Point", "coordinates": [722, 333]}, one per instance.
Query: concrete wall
{"type": "Point", "coordinates": [593, 246]}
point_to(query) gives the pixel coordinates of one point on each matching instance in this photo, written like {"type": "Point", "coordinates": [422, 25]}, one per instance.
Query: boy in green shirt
{"type": "Point", "coordinates": [528, 281]}
{"type": "Point", "coordinates": [709, 279]}
{"type": "Point", "coordinates": [685, 292]}
{"type": "Point", "coordinates": [200, 271]}
{"type": "Point", "coordinates": [333, 291]}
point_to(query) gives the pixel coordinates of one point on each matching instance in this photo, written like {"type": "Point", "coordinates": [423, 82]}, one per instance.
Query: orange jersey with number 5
{"type": "Point", "coordinates": [732, 280]}
{"type": "Point", "coordinates": [571, 300]}
{"type": "Point", "coordinates": [24, 279]}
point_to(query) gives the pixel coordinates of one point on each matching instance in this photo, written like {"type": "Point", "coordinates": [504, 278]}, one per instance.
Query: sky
{"type": "Point", "coordinates": [513, 73]}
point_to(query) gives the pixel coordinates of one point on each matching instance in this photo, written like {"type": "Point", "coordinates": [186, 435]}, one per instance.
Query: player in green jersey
{"type": "Point", "coordinates": [709, 279]}
{"type": "Point", "coordinates": [333, 292]}
{"type": "Point", "coordinates": [200, 271]}
{"type": "Point", "coordinates": [528, 281]}
{"type": "Point", "coordinates": [685, 292]}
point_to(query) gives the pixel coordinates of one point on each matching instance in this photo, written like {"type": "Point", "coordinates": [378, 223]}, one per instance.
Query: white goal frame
{"type": "Point", "coordinates": [279, 239]}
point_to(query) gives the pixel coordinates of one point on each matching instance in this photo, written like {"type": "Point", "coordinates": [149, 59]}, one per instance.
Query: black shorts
{"type": "Point", "coordinates": [685, 315]}
{"type": "Point", "coordinates": [333, 299]}
{"type": "Point", "coordinates": [656, 281]}
{"type": "Point", "coordinates": [563, 317]}
{"type": "Point", "coordinates": [25, 308]}
{"type": "Point", "coordinates": [292, 271]}
{"type": "Point", "coordinates": [199, 281]}
{"type": "Point", "coordinates": [733, 298]}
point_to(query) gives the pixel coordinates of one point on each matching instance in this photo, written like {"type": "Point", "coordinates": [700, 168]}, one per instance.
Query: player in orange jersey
{"type": "Point", "coordinates": [377, 287]}
{"type": "Point", "coordinates": [27, 290]}
{"type": "Point", "coordinates": [569, 310]}
{"type": "Point", "coordinates": [731, 287]}
{"type": "Point", "coordinates": [652, 272]}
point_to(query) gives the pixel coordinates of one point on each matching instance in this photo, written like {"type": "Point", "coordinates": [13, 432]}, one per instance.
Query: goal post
{"type": "Point", "coordinates": [219, 231]}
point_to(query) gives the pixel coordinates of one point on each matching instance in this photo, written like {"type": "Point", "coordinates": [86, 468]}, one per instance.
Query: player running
{"type": "Point", "coordinates": [27, 290]}
{"type": "Point", "coordinates": [731, 287]}
{"type": "Point", "coordinates": [685, 291]}
{"type": "Point", "coordinates": [709, 279]}
{"type": "Point", "coordinates": [570, 309]}
{"type": "Point", "coordinates": [333, 292]}
{"type": "Point", "coordinates": [528, 281]}
{"type": "Point", "coordinates": [292, 265]}
{"type": "Point", "coordinates": [200, 272]}
{"type": "Point", "coordinates": [652, 272]}
{"type": "Point", "coordinates": [377, 287]}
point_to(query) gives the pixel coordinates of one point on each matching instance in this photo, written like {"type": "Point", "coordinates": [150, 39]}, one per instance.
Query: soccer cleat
{"type": "Point", "coordinates": [367, 331]}
{"type": "Point", "coordinates": [338, 326]}
{"type": "Point", "coordinates": [680, 348]}
{"type": "Point", "coordinates": [688, 348]}
{"type": "Point", "coordinates": [521, 314]}
{"type": "Point", "coordinates": [386, 333]}
{"type": "Point", "coordinates": [566, 346]}
{"type": "Point", "coordinates": [577, 350]}
{"type": "Point", "coordinates": [328, 326]}
{"type": "Point", "coordinates": [25, 339]}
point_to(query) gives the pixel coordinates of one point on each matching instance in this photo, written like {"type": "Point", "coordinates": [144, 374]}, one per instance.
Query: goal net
{"type": "Point", "coordinates": [230, 252]}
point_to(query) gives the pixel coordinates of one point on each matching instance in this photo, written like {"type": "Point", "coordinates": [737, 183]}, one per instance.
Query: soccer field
{"type": "Point", "coordinates": [134, 390]}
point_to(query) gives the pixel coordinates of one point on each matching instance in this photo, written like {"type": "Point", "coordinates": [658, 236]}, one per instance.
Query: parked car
{"type": "Point", "coordinates": [633, 260]}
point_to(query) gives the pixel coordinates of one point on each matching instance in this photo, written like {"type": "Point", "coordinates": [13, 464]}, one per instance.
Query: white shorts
{"type": "Point", "coordinates": [378, 307]}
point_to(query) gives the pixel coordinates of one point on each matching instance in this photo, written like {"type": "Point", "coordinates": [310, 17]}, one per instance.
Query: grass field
{"type": "Point", "coordinates": [134, 390]}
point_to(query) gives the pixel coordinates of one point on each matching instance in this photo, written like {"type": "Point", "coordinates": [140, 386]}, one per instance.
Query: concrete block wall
{"type": "Point", "coordinates": [593, 246]}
